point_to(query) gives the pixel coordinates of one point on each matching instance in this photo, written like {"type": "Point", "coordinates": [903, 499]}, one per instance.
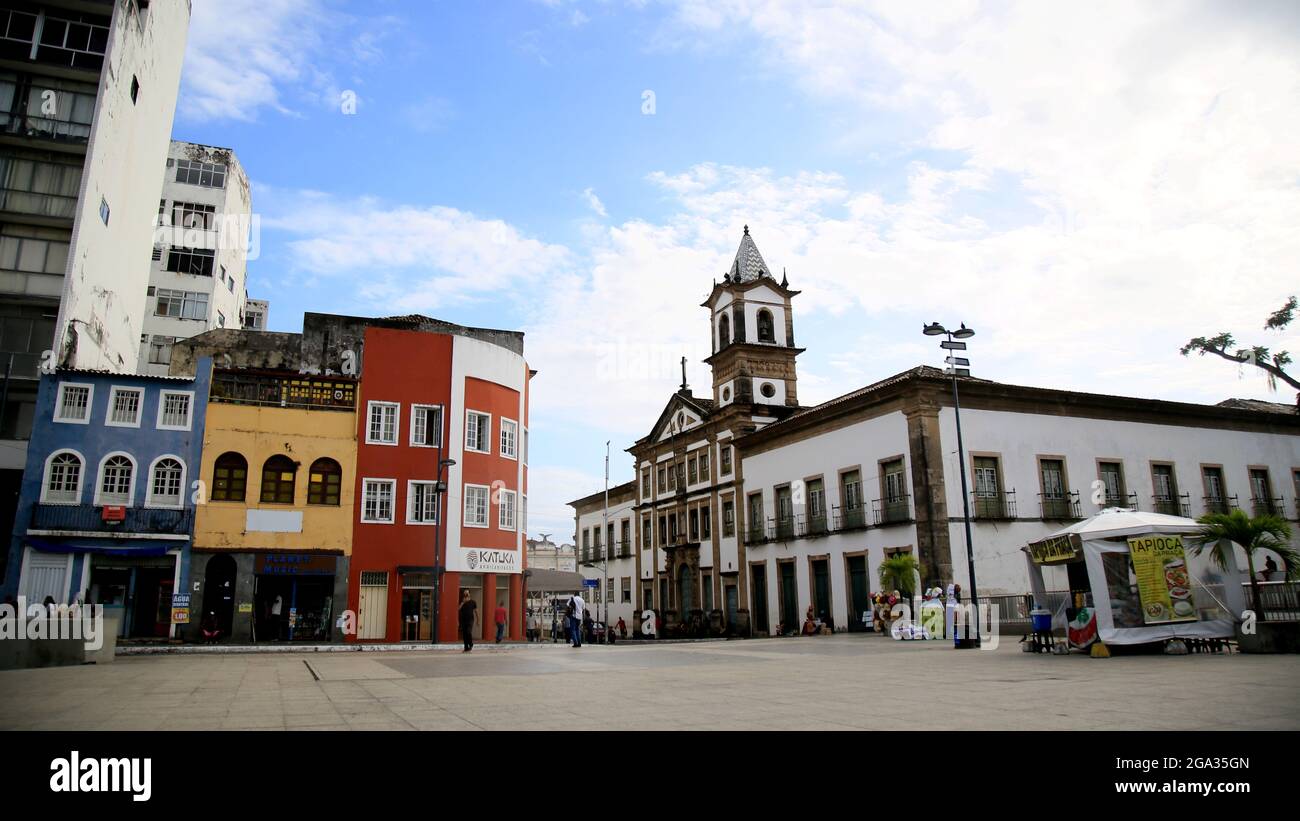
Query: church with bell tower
{"type": "Point", "coordinates": [686, 555]}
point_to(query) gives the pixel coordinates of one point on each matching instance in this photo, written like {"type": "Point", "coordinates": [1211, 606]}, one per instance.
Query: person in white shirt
{"type": "Point", "coordinates": [577, 607]}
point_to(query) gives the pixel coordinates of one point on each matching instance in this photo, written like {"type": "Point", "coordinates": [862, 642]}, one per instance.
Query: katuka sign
{"type": "Point", "coordinates": [483, 560]}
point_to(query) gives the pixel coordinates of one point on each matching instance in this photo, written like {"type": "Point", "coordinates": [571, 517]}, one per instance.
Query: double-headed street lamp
{"type": "Point", "coordinates": [439, 487]}
{"type": "Point", "coordinates": [958, 365]}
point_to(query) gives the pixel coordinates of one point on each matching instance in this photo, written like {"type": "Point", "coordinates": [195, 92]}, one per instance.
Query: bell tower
{"type": "Point", "coordinates": [752, 329]}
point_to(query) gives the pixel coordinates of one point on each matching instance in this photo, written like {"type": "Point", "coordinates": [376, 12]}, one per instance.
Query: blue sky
{"type": "Point", "coordinates": [1088, 187]}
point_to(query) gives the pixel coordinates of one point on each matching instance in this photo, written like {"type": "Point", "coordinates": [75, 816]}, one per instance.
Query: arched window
{"type": "Point", "coordinates": [724, 332]}
{"type": "Point", "coordinates": [165, 481]}
{"type": "Point", "coordinates": [279, 475]}
{"type": "Point", "coordinates": [766, 331]}
{"type": "Point", "coordinates": [63, 478]}
{"type": "Point", "coordinates": [324, 482]}
{"type": "Point", "coordinates": [116, 478]}
{"type": "Point", "coordinates": [229, 478]}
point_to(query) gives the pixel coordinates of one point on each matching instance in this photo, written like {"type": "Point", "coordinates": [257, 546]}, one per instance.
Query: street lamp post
{"type": "Point", "coordinates": [439, 487]}
{"type": "Point", "coordinates": [954, 361]}
{"type": "Point", "coordinates": [604, 591]}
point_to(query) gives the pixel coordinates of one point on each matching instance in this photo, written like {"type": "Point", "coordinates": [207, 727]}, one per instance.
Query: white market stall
{"type": "Point", "coordinates": [1134, 579]}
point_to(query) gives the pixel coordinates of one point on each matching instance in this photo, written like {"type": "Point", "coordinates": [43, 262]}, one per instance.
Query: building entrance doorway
{"type": "Point", "coordinates": [417, 606]}
{"type": "Point", "coordinates": [219, 593]}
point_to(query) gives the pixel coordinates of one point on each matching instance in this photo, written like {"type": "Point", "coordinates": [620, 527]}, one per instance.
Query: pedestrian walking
{"type": "Point", "coordinates": [501, 622]}
{"type": "Point", "coordinates": [468, 619]}
{"type": "Point", "coordinates": [534, 626]}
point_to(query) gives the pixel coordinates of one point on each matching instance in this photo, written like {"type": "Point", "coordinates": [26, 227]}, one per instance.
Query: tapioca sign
{"type": "Point", "coordinates": [1056, 549]}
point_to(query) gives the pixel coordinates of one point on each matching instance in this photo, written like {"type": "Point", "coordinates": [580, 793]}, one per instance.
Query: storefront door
{"type": "Point", "coordinates": [417, 606]}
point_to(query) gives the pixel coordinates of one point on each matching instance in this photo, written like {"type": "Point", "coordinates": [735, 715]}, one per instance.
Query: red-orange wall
{"type": "Point", "coordinates": [409, 367]}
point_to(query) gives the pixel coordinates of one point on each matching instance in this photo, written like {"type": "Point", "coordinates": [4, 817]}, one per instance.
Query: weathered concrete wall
{"type": "Point", "coordinates": [232, 348]}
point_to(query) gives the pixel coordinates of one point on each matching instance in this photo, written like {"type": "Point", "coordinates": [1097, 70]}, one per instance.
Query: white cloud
{"type": "Point", "coordinates": [405, 257]}
{"type": "Point", "coordinates": [242, 53]}
{"type": "Point", "coordinates": [246, 56]}
{"type": "Point", "coordinates": [593, 202]}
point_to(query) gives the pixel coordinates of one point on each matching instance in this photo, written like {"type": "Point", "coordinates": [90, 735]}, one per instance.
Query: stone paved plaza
{"type": "Point", "coordinates": [833, 683]}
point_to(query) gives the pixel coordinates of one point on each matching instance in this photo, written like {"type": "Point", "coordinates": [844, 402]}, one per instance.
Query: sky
{"type": "Point", "coordinates": [1087, 185]}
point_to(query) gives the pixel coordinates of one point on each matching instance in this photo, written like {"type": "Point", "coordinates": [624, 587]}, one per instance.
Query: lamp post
{"type": "Point", "coordinates": [954, 361]}
{"type": "Point", "coordinates": [604, 591]}
{"type": "Point", "coordinates": [439, 487]}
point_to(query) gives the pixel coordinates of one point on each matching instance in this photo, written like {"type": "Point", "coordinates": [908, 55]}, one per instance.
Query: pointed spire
{"type": "Point", "coordinates": [785, 280]}
{"type": "Point", "coordinates": [748, 265]}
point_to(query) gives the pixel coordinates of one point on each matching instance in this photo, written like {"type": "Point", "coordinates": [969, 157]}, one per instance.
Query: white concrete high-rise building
{"type": "Point", "coordinates": [87, 96]}
{"type": "Point", "coordinates": [198, 279]}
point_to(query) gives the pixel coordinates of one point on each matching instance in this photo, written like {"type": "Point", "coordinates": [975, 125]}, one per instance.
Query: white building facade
{"type": "Point", "coordinates": [750, 510]}
{"type": "Point", "coordinates": [198, 279]}
{"type": "Point", "coordinates": [606, 553]}
{"type": "Point", "coordinates": [839, 487]}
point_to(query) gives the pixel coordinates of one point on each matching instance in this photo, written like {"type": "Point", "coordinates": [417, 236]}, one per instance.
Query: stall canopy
{"type": "Point", "coordinates": [1145, 583]}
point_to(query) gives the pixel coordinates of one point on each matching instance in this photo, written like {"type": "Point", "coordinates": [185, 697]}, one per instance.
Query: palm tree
{"type": "Point", "coordinates": [1220, 530]}
{"type": "Point", "coordinates": [899, 572]}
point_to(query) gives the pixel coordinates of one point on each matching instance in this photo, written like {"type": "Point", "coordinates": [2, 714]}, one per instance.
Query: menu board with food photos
{"type": "Point", "coordinates": [1164, 585]}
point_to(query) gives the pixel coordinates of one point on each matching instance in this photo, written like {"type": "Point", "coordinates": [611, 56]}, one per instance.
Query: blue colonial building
{"type": "Point", "coordinates": [106, 511]}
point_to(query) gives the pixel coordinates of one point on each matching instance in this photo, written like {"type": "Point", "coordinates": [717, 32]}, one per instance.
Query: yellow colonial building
{"type": "Point", "coordinates": [273, 534]}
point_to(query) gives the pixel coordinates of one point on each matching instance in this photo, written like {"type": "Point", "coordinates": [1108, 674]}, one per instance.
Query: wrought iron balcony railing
{"type": "Point", "coordinates": [1268, 507]}
{"type": "Point", "coordinates": [993, 506]}
{"type": "Point", "coordinates": [1120, 500]}
{"type": "Point", "coordinates": [891, 511]}
{"type": "Point", "coordinates": [1220, 504]}
{"type": "Point", "coordinates": [1060, 507]}
{"type": "Point", "coordinates": [1172, 505]}
{"type": "Point", "coordinates": [850, 518]}
{"type": "Point", "coordinates": [815, 525]}
{"type": "Point", "coordinates": [91, 519]}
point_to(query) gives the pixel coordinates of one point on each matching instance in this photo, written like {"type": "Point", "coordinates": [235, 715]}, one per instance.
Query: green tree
{"type": "Point", "coordinates": [1220, 530]}
{"type": "Point", "coordinates": [899, 572]}
{"type": "Point", "coordinates": [1224, 346]}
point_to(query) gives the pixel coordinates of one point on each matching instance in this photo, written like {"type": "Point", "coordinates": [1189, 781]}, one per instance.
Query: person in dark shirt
{"type": "Point", "coordinates": [468, 619]}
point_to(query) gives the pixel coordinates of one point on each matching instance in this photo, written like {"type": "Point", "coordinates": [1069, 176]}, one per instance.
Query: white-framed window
{"type": "Point", "coordinates": [506, 510]}
{"type": "Point", "coordinates": [377, 500]}
{"type": "Point", "coordinates": [62, 482]}
{"type": "Point", "coordinates": [73, 403]}
{"type": "Point", "coordinates": [477, 502]}
{"type": "Point", "coordinates": [426, 426]}
{"type": "Point", "coordinates": [124, 407]}
{"type": "Point", "coordinates": [478, 429]}
{"type": "Point", "coordinates": [509, 438]}
{"type": "Point", "coordinates": [175, 409]}
{"type": "Point", "coordinates": [116, 484]}
{"type": "Point", "coordinates": [421, 503]}
{"type": "Point", "coordinates": [166, 480]}
{"type": "Point", "coordinates": [382, 423]}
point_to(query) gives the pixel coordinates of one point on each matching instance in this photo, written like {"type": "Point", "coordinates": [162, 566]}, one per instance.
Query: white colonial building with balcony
{"type": "Point", "coordinates": [748, 509]}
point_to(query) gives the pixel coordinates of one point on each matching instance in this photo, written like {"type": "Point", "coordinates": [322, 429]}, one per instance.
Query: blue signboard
{"type": "Point", "coordinates": [590, 582]}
